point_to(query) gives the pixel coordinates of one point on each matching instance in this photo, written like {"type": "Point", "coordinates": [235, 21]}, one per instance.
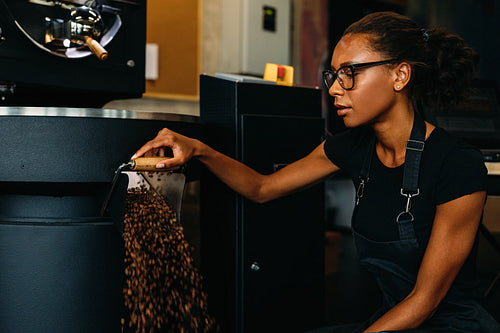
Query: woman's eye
{"type": "Point", "coordinates": [345, 72]}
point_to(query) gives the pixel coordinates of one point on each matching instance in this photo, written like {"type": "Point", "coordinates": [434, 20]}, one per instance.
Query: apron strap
{"type": "Point", "coordinates": [414, 148]}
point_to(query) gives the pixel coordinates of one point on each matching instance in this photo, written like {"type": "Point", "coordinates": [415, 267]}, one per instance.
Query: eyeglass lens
{"type": "Point", "coordinates": [344, 75]}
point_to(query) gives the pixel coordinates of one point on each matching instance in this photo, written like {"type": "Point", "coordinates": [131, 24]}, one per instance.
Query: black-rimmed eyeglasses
{"type": "Point", "coordinates": [345, 74]}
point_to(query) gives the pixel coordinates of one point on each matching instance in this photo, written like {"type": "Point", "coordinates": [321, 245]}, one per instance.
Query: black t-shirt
{"type": "Point", "coordinates": [449, 169]}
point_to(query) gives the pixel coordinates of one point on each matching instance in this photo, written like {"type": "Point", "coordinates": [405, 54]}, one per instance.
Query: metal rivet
{"type": "Point", "coordinates": [255, 267]}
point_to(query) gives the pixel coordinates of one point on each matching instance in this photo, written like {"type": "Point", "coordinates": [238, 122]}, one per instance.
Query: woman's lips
{"type": "Point", "coordinates": [342, 111]}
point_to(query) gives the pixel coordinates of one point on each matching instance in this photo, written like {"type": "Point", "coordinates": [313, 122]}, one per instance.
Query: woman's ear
{"type": "Point", "coordinates": [402, 76]}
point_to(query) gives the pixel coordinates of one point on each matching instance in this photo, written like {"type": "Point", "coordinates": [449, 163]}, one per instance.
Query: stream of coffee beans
{"type": "Point", "coordinates": [163, 289]}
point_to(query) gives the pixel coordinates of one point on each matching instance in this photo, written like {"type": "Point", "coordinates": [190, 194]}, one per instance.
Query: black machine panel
{"type": "Point", "coordinates": [45, 59]}
{"type": "Point", "coordinates": [282, 251]}
{"type": "Point", "coordinates": [262, 263]}
{"type": "Point", "coordinates": [60, 278]}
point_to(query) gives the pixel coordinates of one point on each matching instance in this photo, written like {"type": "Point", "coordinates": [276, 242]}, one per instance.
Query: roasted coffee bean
{"type": "Point", "coordinates": [163, 289]}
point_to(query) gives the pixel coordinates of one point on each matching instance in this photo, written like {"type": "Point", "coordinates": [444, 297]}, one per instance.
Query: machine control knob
{"type": "Point", "coordinates": [255, 267]}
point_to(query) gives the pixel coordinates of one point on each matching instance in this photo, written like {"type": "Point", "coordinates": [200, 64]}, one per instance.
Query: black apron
{"type": "Point", "coordinates": [395, 264]}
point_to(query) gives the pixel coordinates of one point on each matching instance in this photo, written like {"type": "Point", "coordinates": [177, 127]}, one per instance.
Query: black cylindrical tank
{"type": "Point", "coordinates": [61, 264]}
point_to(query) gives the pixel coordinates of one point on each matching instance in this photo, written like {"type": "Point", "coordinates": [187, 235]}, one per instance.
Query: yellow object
{"type": "Point", "coordinates": [280, 74]}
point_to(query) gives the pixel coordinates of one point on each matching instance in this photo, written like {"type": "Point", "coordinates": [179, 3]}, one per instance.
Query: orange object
{"type": "Point", "coordinates": [280, 74]}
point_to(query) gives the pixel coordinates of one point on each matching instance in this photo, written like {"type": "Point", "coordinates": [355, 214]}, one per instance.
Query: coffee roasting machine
{"type": "Point", "coordinates": [61, 262]}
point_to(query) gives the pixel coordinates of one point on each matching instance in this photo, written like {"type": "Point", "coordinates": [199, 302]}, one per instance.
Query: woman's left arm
{"type": "Point", "coordinates": [451, 240]}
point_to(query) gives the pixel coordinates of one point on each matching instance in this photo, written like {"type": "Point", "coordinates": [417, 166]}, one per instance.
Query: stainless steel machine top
{"type": "Point", "coordinates": [94, 113]}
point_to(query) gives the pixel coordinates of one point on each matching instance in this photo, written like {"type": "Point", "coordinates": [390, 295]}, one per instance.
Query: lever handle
{"type": "Point", "coordinates": [96, 48]}
{"type": "Point", "coordinates": [149, 164]}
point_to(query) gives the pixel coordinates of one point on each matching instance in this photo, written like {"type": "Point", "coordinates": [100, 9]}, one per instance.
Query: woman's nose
{"type": "Point", "coordinates": [336, 89]}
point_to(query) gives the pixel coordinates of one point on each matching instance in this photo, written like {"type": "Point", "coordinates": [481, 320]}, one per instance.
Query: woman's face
{"type": "Point", "coordinates": [373, 93]}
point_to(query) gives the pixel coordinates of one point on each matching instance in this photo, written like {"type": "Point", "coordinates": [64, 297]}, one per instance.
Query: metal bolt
{"type": "Point", "coordinates": [131, 63]}
{"type": "Point", "coordinates": [255, 267]}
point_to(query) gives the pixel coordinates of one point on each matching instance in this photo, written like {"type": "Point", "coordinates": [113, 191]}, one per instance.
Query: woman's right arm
{"type": "Point", "coordinates": [301, 174]}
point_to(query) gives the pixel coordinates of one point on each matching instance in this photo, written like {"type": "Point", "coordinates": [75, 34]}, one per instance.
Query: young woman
{"type": "Point", "coordinates": [420, 192]}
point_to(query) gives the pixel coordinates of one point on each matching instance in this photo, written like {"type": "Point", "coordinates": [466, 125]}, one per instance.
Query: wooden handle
{"type": "Point", "coordinates": [96, 48]}
{"type": "Point", "coordinates": [149, 164]}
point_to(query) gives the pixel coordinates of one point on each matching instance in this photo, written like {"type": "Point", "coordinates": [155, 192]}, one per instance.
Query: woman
{"type": "Point", "coordinates": [420, 193]}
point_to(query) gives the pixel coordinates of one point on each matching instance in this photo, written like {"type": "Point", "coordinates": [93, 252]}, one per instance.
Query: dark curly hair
{"type": "Point", "coordinates": [443, 66]}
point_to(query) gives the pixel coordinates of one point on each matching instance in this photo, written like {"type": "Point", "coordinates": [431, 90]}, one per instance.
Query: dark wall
{"type": "Point", "coordinates": [477, 21]}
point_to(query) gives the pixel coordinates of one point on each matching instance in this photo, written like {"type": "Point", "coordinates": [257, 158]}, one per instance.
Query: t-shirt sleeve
{"type": "Point", "coordinates": [347, 149]}
{"type": "Point", "coordinates": [339, 148]}
{"type": "Point", "coordinates": [463, 172]}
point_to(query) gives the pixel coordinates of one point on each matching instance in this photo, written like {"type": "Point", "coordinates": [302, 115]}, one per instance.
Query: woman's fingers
{"type": "Point", "coordinates": [180, 145]}
{"type": "Point", "coordinates": [152, 147]}
{"type": "Point", "coordinates": [169, 163]}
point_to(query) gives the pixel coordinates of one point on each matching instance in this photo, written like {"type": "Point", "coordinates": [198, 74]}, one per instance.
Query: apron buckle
{"type": "Point", "coordinates": [415, 145]}
{"type": "Point", "coordinates": [408, 204]}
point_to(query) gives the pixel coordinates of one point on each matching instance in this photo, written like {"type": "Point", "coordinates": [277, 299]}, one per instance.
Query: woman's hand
{"type": "Point", "coordinates": [183, 148]}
